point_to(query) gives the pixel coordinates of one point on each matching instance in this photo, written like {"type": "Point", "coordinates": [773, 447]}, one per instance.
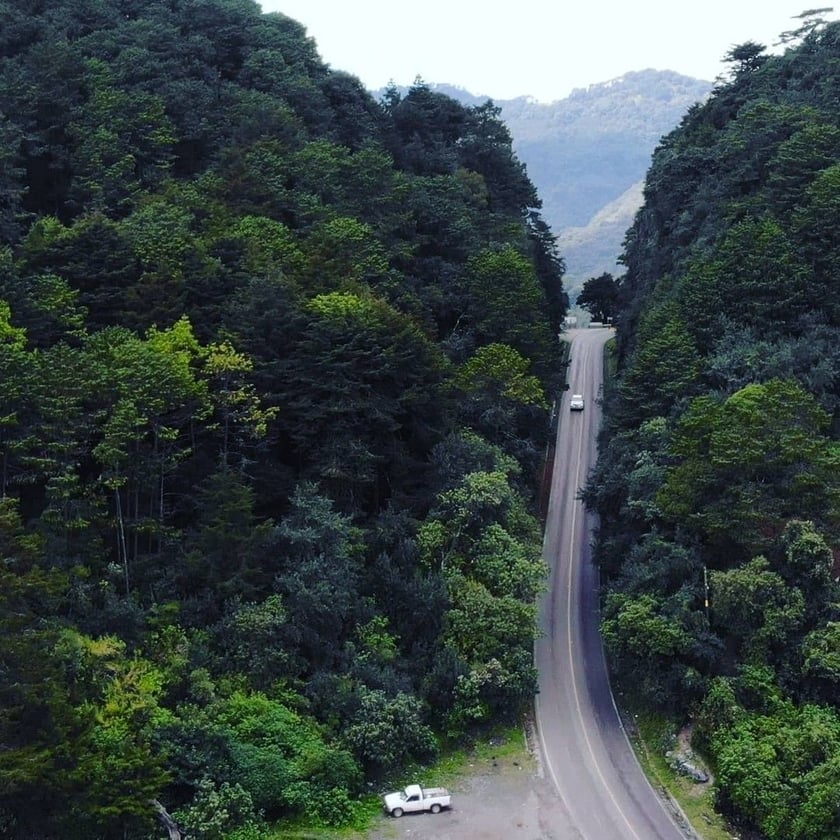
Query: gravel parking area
{"type": "Point", "coordinates": [499, 799]}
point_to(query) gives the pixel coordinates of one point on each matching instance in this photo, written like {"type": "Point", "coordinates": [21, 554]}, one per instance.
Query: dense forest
{"type": "Point", "coordinates": [718, 484]}
{"type": "Point", "coordinates": [276, 366]}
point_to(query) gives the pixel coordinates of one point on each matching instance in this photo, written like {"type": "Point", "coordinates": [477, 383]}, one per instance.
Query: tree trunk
{"type": "Point", "coordinates": [122, 545]}
{"type": "Point", "coordinates": [166, 821]}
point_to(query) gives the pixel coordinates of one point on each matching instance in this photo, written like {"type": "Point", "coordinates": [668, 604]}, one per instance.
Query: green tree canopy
{"type": "Point", "coordinates": [599, 295]}
{"type": "Point", "coordinates": [758, 457]}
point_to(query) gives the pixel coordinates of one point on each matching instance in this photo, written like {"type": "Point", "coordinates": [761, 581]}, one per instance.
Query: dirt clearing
{"type": "Point", "coordinates": [499, 796]}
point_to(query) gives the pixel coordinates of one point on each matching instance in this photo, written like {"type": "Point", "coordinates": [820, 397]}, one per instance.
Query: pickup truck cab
{"type": "Point", "coordinates": [416, 798]}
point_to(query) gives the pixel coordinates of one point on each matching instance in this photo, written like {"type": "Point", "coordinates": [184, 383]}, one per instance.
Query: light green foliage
{"type": "Point", "coordinates": [11, 337]}
{"type": "Point", "coordinates": [489, 690]}
{"type": "Point", "coordinates": [499, 368]}
{"type": "Point", "coordinates": [780, 770]}
{"type": "Point", "coordinates": [481, 499]}
{"type": "Point", "coordinates": [16, 375]}
{"type": "Point", "coordinates": [718, 710]}
{"type": "Point", "coordinates": [235, 397]}
{"type": "Point", "coordinates": [753, 606]}
{"type": "Point", "coordinates": [493, 636]}
{"type": "Point", "coordinates": [155, 380]}
{"type": "Point", "coordinates": [383, 729]}
{"type": "Point", "coordinates": [463, 515]}
{"type": "Point", "coordinates": [270, 247]}
{"type": "Point", "coordinates": [282, 759]}
{"type": "Point", "coordinates": [506, 565]}
{"type": "Point", "coordinates": [760, 455]}
{"type": "Point", "coordinates": [488, 550]}
{"type": "Point", "coordinates": [507, 302]}
{"type": "Point", "coordinates": [343, 253]}
{"type": "Point", "coordinates": [160, 234]}
{"type": "Point", "coordinates": [776, 419]}
{"type": "Point", "coordinates": [225, 812]}
{"type": "Point", "coordinates": [342, 307]}
{"type": "Point", "coordinates": [115, 759]}
{"type": "Point", "coordinates": [637, 627]}
{"type": "Point", "coordinates": [155, 394]}
{"type": "Point", "coordinates": [376, 641]}
{"type": "Point", "coordinates": [478, 620]}
{"type": "Point", "coordinates": [648, 645]}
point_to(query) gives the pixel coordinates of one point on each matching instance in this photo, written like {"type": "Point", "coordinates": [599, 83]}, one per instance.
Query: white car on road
{"type": "Point", "coordinates": [576, 403]}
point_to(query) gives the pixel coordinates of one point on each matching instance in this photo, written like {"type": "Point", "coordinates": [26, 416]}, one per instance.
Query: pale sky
{"type": "Point", "coordinates": [539, 48]}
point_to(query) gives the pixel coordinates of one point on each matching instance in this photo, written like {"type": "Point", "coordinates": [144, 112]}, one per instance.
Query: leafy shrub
{"type": "Point", "coordinates": [221, 813]}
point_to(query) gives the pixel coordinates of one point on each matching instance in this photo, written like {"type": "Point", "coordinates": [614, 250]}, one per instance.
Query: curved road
{"type": "Point", "coordinates": [585, 751]}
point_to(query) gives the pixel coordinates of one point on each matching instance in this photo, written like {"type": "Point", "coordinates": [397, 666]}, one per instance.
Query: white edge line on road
{"type": "Point", "coordinates": [571, 566]}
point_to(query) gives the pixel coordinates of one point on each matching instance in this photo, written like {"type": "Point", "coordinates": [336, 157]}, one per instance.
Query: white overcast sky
{"type": "Point", "coordinates": [539, 48]}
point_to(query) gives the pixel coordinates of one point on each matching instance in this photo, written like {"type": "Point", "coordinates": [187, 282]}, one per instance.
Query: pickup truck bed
{"type": "Point", "coordinates": [414, 798]}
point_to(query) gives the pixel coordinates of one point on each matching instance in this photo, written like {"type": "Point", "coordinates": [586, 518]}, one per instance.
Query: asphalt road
{"type": "Point", "coordinates": [583, 746]}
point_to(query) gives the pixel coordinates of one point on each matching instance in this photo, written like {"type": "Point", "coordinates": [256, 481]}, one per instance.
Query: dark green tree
{"type": "Point", "coordinates": [600, 297]}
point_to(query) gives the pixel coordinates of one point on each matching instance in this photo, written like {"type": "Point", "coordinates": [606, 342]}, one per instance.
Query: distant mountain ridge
{"type": "Point", "coordinates": [587, 154]}
{"type": "Point", "coordinates": [592, 249]}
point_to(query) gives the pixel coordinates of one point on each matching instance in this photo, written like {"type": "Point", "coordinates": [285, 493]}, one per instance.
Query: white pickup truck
{"type": "Point", "coordinates": [416, 798]}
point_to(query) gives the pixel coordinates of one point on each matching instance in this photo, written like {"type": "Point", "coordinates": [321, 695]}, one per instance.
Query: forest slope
{"type": "Point", "coordinates": [277, 361]}
{"type": "Point", "coordinates": [718, 485]}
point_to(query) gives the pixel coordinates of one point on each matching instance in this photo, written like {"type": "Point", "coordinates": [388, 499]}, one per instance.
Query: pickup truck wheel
{"type": "Point", "coordinates": [435, 809]}
{"type": "Point", "coordinates": [397, 812]}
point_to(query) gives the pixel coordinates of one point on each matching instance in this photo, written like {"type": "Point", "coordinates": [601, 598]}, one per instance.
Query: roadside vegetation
{"type": "Point", "coordinates": [503, 745]}
{"type": "Point", "coordinates": [653, 737]}
{"type": "Point", "coordinates": [277, 364]}
{"type": "Point", "coordinates": [278, 361]}
{"type": "Point", "coordinates": [718, 481]}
